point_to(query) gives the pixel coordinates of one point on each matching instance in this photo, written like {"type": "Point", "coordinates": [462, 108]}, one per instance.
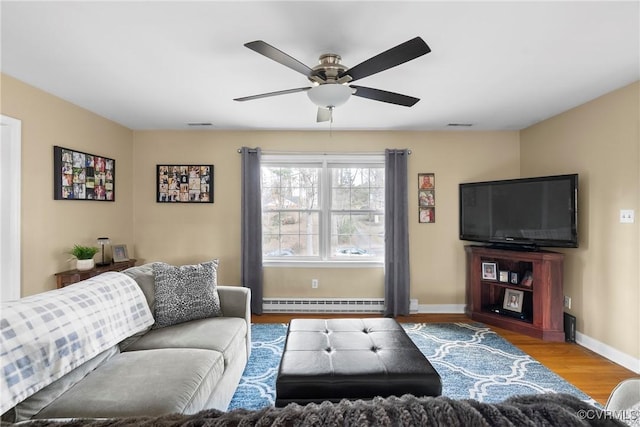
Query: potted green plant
{"type": "Point", "coordinates": [84, 255]}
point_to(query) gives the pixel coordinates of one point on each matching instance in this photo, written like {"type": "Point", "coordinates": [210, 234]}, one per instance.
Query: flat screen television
{"type": "Point", "coordinates": [524, 212]}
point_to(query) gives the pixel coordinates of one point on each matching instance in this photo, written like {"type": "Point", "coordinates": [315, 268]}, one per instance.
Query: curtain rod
{"type": "Point", "coordinates": [316, 153]}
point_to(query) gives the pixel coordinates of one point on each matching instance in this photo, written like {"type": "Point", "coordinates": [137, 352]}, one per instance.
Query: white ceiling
{"type": "Point", "coordinates": [163, 64]}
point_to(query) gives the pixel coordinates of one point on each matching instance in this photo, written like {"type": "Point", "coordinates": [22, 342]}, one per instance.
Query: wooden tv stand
{"type": "Point", "coordinates": [542, 303]}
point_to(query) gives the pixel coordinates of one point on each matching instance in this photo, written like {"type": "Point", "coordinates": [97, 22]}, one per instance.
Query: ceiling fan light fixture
{"type": "Point", "coordinates": [329, 95]}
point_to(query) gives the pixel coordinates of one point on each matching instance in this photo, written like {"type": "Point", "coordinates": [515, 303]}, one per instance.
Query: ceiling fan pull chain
{"type": "Point", "coordinates": [331, 121]}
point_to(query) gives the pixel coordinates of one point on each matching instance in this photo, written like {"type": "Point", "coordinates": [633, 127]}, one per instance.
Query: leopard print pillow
{"type": "Point", "coordinates": [184, 293]}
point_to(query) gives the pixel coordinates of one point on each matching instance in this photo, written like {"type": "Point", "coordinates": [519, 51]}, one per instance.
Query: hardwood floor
{"type": "Point", "coordinates": [588, 371]}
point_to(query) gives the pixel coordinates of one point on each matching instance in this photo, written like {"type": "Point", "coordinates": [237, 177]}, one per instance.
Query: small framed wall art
{"type": "Point", "coordinates": [427, 215]}
{"type": "Point", "coordinates": [82, 176]}
{"type": "Point", "coordinates": [426, 198]}
{"type": "Point", "coordinates": [184, 183]}
{"type": "Point", "coordinates": [426, 181]}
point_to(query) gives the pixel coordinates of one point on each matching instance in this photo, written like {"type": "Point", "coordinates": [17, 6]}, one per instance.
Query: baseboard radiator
{"type": "Point", "coordinates": [328, 305]}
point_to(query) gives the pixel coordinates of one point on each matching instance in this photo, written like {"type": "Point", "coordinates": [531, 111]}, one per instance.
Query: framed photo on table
{"type": "Point", "coordinates": [120, 253]}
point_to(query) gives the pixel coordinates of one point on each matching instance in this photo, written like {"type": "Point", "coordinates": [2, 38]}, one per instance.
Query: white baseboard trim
{"type": "Point", "coordinates": [609, 352]}
{"type": "Point", "coordinates": [441, 308]}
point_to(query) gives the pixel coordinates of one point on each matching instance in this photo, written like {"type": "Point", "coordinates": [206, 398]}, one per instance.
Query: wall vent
{"type": "Point", "coordinates": [200, 124]}
{"type": "Point", "coordinates": [328, 305]}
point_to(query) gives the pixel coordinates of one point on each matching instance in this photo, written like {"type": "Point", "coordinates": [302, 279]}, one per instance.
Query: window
{"type": "Point", "coordinates": [323, 208]}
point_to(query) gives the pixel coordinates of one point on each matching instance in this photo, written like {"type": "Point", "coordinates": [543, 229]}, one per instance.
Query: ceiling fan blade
{"type": "Point", "coordinates": [384, 96]}
{"type": "Point", "coordinates": [279, 56]}
{"type": "Point", "coordinates": [324, 115]}
{"type": "Point", "coordinates": [265, 95]}
{"type": "Point", "coordinates": [388, 59]}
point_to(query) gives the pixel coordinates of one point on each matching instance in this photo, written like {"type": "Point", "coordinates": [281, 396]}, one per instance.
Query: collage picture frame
{"type": "Point", "coordinates": [82, 176]}
{"type": "Point", "coordinates": [426, 198]}
{"type": "Point", "coordinates": [184, 183]}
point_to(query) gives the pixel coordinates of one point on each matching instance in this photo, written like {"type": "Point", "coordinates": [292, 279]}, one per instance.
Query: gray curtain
{"type": "Point", "coordinates": [396, 263]}
{"type": "Point", "coordinates": [251, 258]}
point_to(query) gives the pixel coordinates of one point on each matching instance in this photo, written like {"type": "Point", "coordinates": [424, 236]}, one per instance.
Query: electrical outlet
{"type": "Point", "coordinates": [314, 283]}
{"type": "Point", "coordinates": [567, 301]}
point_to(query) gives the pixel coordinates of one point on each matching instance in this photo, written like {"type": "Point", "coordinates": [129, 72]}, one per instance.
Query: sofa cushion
{"type": "Point", "coordinates": [34, 403]}
{"type": "Point", "coordinates": [150, 382]}
{"type": "Point", "coordinates": [185, 293]}
{"type": "Point", "coordinates": [223, 334]}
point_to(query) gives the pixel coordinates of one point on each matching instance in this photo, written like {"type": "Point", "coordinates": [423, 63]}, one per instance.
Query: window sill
{"type": "Point", "coordinates": [323, 264]}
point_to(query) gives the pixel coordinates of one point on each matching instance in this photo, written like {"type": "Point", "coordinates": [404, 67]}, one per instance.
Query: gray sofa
{"type": "Point", "coordinates": [183, 368]}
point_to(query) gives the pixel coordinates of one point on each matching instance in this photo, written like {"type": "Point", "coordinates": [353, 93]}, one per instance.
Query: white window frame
{"type": "Point", "coordinates": [323, 161]}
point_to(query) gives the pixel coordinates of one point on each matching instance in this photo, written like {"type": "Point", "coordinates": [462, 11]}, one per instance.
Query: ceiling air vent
{"type": "Point", "coordinates": [462, 125]}
{"type": "Point", "coordinates": [199, 124]}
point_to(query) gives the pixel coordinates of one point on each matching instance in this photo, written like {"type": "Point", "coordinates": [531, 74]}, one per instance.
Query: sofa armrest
{"type": "Point", "coordinates": [235, 301]}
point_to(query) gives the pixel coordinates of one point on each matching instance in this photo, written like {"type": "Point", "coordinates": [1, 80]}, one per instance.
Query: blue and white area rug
{"type": "Point", "coordinates": [473, 362]}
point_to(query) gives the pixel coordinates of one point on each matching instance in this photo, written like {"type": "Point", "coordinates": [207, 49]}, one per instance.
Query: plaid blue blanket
{"type": "Point", "coordinates": [45, 336]}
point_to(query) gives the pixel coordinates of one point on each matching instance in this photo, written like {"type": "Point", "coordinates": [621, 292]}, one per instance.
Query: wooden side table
{"type": "Point", "coordinates": [69, 277]}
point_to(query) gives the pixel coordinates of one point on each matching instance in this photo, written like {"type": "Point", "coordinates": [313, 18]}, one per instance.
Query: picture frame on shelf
{"type": "Point", "coordinates": [513, 278]}
{"type": "Point", "coordinates": [527, 279]}
{"type": "Point", "coordinates": [184, 183]}
{"type": "Point", "coordinates": [120, 253]}
{"type": "Point", "coordinates": [489, 271]}
{"type": "Point", "coordinates": [504, 276]}
{"type": "Point", "coordinates": [513, 299]}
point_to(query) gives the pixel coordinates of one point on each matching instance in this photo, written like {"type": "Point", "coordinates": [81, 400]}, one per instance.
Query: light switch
{"type": "Point", "coordinates": [627, 216]}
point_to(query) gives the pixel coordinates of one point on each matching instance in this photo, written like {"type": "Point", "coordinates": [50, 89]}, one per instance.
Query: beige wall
{"type": "Point", "coordinates": [599, 140]}
{"type": "Point", "coordinates": [191, 233]}
{"type": "Point", "coordinates": [51, 227]}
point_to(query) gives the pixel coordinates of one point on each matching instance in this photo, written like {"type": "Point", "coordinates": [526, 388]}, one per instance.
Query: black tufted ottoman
{"type": "Point", "coordinates": [338, 359]}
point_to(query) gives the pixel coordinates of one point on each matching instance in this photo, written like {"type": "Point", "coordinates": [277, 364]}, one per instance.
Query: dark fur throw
{"type": "Point", "coordinates": [527, 410]}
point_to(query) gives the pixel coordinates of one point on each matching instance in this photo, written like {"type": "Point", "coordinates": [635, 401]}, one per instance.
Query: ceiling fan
{"type": "Point", "coordinates": [332, 80]}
